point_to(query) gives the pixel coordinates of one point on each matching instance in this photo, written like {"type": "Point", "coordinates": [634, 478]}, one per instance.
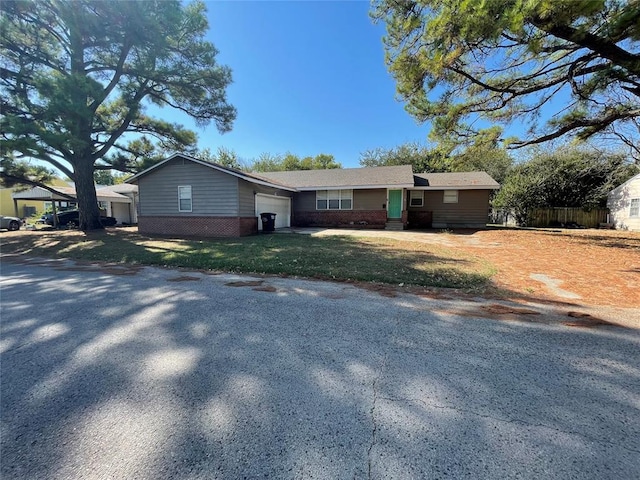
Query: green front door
{"type": "Point", "coordinates": [395, 204]}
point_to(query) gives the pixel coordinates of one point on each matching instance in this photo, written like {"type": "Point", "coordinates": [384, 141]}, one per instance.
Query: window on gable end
{"type": "Point", "coordinates": [185, 203]}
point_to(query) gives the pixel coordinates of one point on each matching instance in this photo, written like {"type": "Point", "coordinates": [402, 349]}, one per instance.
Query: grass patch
{"type": "Point", "coordinates": [334, 258]}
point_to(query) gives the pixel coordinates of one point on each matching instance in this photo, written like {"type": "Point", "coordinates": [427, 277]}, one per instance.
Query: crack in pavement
{"type": "Point", "coordinates": [374, 387]}
{"type": "Point", "coordinates": [509, 420]}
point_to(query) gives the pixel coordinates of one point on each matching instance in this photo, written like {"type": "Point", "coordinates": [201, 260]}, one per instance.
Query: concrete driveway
{"type": "Point", "coordinates": [146, 373]}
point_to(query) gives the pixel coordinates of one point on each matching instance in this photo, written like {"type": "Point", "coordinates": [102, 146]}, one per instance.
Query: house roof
{"type": "Point", "coordinates": [622, 185]}
{"type": "Point", "coordinates": [39, 193]}
{"type": "Point", "coordinates": [67, 193]}
{"type": "Point", "coordinates": [400, 176]}
{"type": "Point", "coordinates": [250, 177]}
{"type": "Point", "coordinates": [455, 180]}
{"type": "Point", "coordinates": [119, 188]}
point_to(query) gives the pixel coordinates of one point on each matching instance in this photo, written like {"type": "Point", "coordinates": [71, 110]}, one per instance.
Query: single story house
{"type": "Point", "coordinates": [126, 213]}
{"type": "Point", "coordinates": [119, 201]}
{"type": "Point", "coordinates": [26, 208]}
{"type": "Point", "coordinates": [624, 205]}
{"type": "Point", "coordinates": [187, 196]}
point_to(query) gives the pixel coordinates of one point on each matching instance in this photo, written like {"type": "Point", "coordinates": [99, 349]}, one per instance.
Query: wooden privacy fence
{"type": "Point", "coordinates": [555, 217]}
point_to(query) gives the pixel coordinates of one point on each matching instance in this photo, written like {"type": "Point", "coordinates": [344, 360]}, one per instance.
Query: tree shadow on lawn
{"type": "Point", "coordinates": [139, 377]}
{"type": "Point", "coordinates": [333, 258]}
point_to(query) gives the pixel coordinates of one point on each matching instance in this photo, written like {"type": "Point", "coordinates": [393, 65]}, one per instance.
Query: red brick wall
{"type": "Point", "coordinates": [194, 226]}
{"type": "Point", "coordinates": [341, 218]}
{"type": "Point", "coordinates": [248, 226]}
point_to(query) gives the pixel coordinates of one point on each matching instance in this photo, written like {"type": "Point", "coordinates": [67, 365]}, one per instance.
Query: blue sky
{"type": "Point", "coordinates": [309, 78]}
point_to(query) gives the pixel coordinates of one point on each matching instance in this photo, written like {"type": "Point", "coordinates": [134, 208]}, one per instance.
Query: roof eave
{"type": "Point", "coordinates": [209, 165]}
{"type": "Point", "coordinates": [354, 187]}
{"type": "Point", "coordinates": [459, 187]}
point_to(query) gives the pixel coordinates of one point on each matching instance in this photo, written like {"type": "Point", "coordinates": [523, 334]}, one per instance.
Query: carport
{"type": "Point", "coordinates": [58, 195]}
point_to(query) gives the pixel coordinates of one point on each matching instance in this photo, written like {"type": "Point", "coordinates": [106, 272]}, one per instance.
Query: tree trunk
{"type": "Point", "coordinates": [86, 195]}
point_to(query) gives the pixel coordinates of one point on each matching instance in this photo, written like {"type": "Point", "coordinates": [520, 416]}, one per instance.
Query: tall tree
{"type": "Point", "coordinates": [423, 158]}
{"type": "Point", "coordinates": [223, 156]}
{"type": "Point", "coordinates": [576, 62]}
{"type": "Point", "coordinates": [288, 162]}
{"type": "Point", "coordinates": [104, 177]}
{"type": "Point", "coordinates": [76, 76]}
{"type": "Point", "coordinates": [484, 152]}
{"type": "Point", "coordinates": [568, 177]}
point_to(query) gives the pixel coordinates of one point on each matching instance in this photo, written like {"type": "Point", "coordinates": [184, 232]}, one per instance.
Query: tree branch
{"type": "Point", "coordinates": [599, 123]}
{"type": "Point", "coordinates": [26, 181]}
{"type": "Point", "coordinates": [600, 45]}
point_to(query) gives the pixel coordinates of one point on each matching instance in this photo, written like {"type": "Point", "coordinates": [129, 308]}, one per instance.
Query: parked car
{"type": "Point", "coordinates": [71, 219]}
{"type": "Point", "coordinates": [10, 223]}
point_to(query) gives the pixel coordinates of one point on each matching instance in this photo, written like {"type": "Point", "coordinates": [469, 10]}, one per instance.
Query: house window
{"type": "Point", "coordinates": [450, 196]}
{"type": "Point", "coordinates": [334, 199]}
{"type": "Point", "coordinates": [416, 198]}
{"type": "Point", "coordinates": [634, 211]}
{"type": "Point", "coordinates": [184, 199]}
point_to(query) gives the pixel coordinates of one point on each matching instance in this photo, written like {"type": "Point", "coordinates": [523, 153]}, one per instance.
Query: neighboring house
{"type": "Point", "coordinates": [113, 203]}
{"type": "Point", "coordinates": [26, 208]}
{"type": "Point", "coordinates": [186, 196]}
{"type": "Point", "coordinates": [126, 213]}
{"type": "Point", "coordinates": [624, 205]}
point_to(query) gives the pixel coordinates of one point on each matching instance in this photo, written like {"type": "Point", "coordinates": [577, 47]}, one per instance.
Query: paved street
{"type": "Point", "coordinates": [110, 372]}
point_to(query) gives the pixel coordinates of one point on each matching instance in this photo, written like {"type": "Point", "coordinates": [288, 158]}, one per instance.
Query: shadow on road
{"type": "Point", "coordinates": [136, 376]}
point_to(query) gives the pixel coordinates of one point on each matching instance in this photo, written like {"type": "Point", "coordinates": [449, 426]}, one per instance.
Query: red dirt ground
{"type": "Point", "coordinates": [602, 266]}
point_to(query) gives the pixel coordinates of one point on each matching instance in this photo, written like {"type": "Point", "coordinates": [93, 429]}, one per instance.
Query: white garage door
{"type": "Point", "coordinates": [121, 212]}
{"type": "Point", "coordinates": [281, 206]}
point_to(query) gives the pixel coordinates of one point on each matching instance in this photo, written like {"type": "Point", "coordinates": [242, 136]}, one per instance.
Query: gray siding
{"type": "Point", "coordinates": [472, 208]}
{"type": "Point", "coordinates": [304, 202]}
{"type": "Point", "coordinates": [213, 192]}
{"type": "Point", "coordinates": [247, 199]}
{"type": "Point", "coordinates": [367, 199]}
{"type": "Point", "coordinates": [370, 199]}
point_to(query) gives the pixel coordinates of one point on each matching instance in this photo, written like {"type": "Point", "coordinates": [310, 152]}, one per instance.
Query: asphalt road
{"type": "Point", "coordinates": [155, 374]}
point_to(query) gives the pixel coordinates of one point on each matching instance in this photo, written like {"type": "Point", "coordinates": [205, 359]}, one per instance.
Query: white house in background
{"type": "Point", "coordinates": [624, 205]}
{"type": "Point", "coordinates": [125, 213]}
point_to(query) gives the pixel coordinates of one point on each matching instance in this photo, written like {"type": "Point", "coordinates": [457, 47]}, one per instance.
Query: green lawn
{"type": "Point", "coordinates": [336, 258]}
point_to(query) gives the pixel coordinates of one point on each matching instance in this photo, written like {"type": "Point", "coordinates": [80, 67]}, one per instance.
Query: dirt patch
{"type": "Point", "coordinates": [249, 283]}
{"type": "Point", "coordinates": [265, 288]}
{"type": "Point", "coordinates": [498, 309]}
{"type": "Point", "coordinates": [584, 320]}
{"type": "Point", "coordinates": [600, 266]}
{"type": "Point", "coordinates": [504, 314]}
{"type": "Point", "coordinates": [390, 291]}
{"type": "Point", "coordinates": [183, 278]}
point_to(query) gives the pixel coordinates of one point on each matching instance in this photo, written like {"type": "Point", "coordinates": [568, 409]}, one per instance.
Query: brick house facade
{"type": "Point", "coordinates": [185, 196]}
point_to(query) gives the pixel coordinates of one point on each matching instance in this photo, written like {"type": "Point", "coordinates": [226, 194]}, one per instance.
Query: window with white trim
{"type": "Point", "coordinates": [416, 198]}
{"type": "Point", "coordinates": [184, 199]}
{"type": "Point", "coordinates": [634, 211]}
{"type": "Point", "coordinates": [334, 199]}
{"type": "Point", "coordinates": [450, 196]}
